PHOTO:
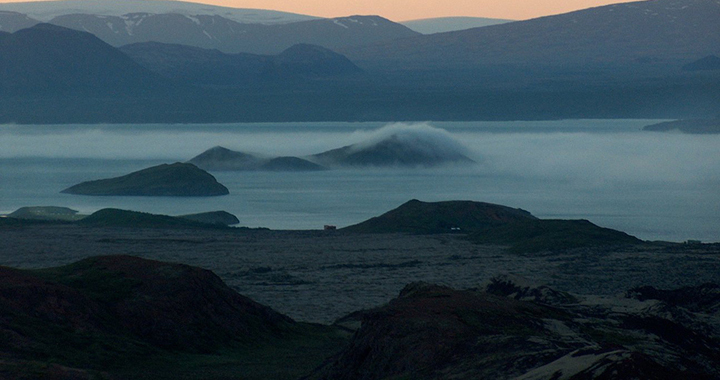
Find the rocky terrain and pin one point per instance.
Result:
(511, 331)
(466, 309)
(178, 179)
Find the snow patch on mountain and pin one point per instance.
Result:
(47, 10)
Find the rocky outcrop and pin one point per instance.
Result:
(178, 179)
(435, 332)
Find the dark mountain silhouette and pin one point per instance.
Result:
(178, 179)
(662, 32)
(217, 32)
(214, 68)
(48, 60)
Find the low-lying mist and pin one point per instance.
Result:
(592, 159)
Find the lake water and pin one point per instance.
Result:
(656, 186)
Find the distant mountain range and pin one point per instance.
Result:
(630, 60)
(47, 10)
(225, 29)
(205, 67)
(450, 24)
(658, 31)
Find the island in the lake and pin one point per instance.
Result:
(692, 126)
(178, 179)
(390, 147)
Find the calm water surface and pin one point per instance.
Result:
(657, 186)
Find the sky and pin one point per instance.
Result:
(404, 10)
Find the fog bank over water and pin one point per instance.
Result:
(653, 185)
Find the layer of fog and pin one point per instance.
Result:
(616, 157)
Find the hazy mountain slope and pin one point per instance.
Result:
(450, 24)
(12, 21)
(47, 10)
(197, 65)
(50, 60)
(659, 31)
(207, 67)
(216, 32)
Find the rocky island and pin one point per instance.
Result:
(222, 159)
(398, 147)
(692, 126)
(178, 179)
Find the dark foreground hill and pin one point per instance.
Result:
(178, 179)
(132, 316)
(509, 331)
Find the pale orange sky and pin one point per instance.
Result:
(403, 10)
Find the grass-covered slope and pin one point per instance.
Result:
(440, 217)
(178, 179)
